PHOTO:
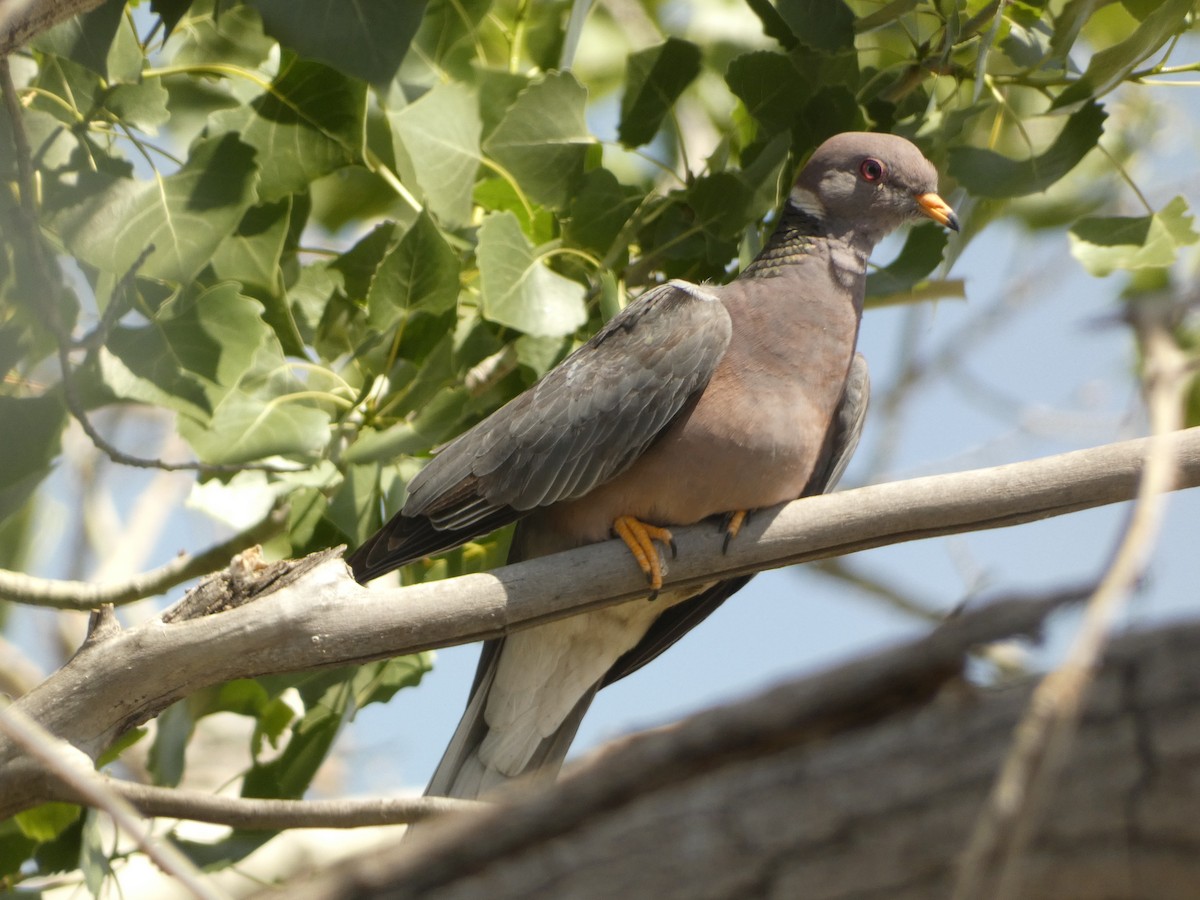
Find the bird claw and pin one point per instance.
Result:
(639, 537)
(731, 524)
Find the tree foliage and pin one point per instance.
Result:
(321, 239)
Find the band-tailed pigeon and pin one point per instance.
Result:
(694, 401)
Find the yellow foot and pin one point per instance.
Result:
(732, 524)
(639, 537)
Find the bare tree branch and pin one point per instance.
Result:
(81, 595)
(74, 772)
(256, 620)
(276, 815)
(22, 20)
(888, 594)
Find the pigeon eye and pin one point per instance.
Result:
(871, 169)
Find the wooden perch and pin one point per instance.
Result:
(256, 619)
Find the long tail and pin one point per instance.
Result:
(462, 773)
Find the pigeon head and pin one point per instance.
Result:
(861, 186)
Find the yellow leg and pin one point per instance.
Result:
(639, 537)
(733, 524)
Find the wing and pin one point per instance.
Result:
(840, 443)
(582, 424)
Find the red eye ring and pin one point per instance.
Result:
(871, 169)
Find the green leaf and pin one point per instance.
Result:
(769, 86)
(172, 731)
(366, 40)
(64, 853)
(184, 216)
(192, 356)
(353, 196)
(67, 91)
(539, 354)
(1068, 24)
(724, 203)
(1109, 68)
(1189, 341)
(154, 380)
(773, 24)
(517, 289)
(251, 698)
(120, 745)
(654, 79)
(46, 822)
(824, 25)
(171, 11)
(15, 848)
(543, 139)
(598, 212)
(498, 90)
(310, 295)
(251, 424)
(1106, 244)
(354, 509)
(885, 15)
(721, 204)
(85, 39)
(358, 264)
(920, 255)
(439, 137)
(379, 682)
(499, 195)
(448, 38)
(126, 59)
(251, 254)
(309, 123)
(986, 173)
(45, 132)
(1140, 9)
(329, 701)
(33, 430)
(142, 104)
(93, 858)
(419, 275)
(233, 38)
(830, 111)
(762, 176)
(437, 421)
(192, 100)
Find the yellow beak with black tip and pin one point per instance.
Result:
(937, 209)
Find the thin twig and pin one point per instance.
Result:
(991, 866)
(75, 771)
(277, 815)
(949, 358)
(885, 591)
(81, 595)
